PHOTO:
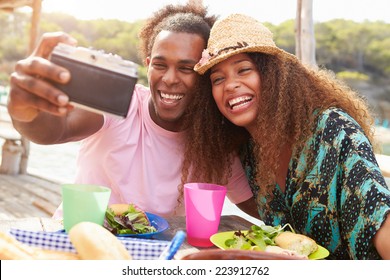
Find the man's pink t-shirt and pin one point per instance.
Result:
(141, 162)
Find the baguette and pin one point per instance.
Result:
(41, 254)
(12, 249)
(94, 242)
(299, 243)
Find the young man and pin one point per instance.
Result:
(139, 157)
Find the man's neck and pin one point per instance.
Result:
(174, 126)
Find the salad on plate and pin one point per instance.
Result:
(127, 219)
(275, 239)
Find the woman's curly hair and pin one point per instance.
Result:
(291, 93)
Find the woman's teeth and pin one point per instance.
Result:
(239, 101)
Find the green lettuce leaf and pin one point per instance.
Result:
(257, 238)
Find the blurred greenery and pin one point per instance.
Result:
(358, 50)
(112, 36)
(352, 75)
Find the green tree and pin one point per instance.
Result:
(378, 56)
(284, 35)
(340, 44)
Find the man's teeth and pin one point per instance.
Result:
(171, 96)
(239, 101)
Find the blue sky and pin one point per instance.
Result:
(274, 11)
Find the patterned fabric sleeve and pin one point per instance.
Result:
(365, 197)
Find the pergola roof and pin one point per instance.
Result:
(10, 5)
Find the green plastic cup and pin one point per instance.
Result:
(84, 203)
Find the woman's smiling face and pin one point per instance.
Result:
(236, 87)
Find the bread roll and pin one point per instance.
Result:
(119, 209)
(299, 243)
(279, 250)
(94, 242)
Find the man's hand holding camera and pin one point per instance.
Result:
(32, 91)
(101, 82)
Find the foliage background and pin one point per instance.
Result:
(358, 51)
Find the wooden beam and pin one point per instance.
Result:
(35, 18)
(13, 4)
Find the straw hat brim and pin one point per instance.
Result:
(201, 68)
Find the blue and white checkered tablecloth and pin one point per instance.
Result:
(139, 249)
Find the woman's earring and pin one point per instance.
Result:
(223, 120)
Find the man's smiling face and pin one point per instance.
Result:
(172, 79)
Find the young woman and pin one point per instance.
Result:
(304, 137)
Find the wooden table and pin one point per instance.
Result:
(228, 223)
(32, 224)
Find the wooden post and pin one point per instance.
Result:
(36, 6)
(298, 29)
(11, 157)
(35, 18)
(305, 39)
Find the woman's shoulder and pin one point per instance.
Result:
(334, 113)
(336, 125)
(336, 118)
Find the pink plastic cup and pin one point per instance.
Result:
(203, 205)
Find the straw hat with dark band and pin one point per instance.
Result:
(236, 34)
